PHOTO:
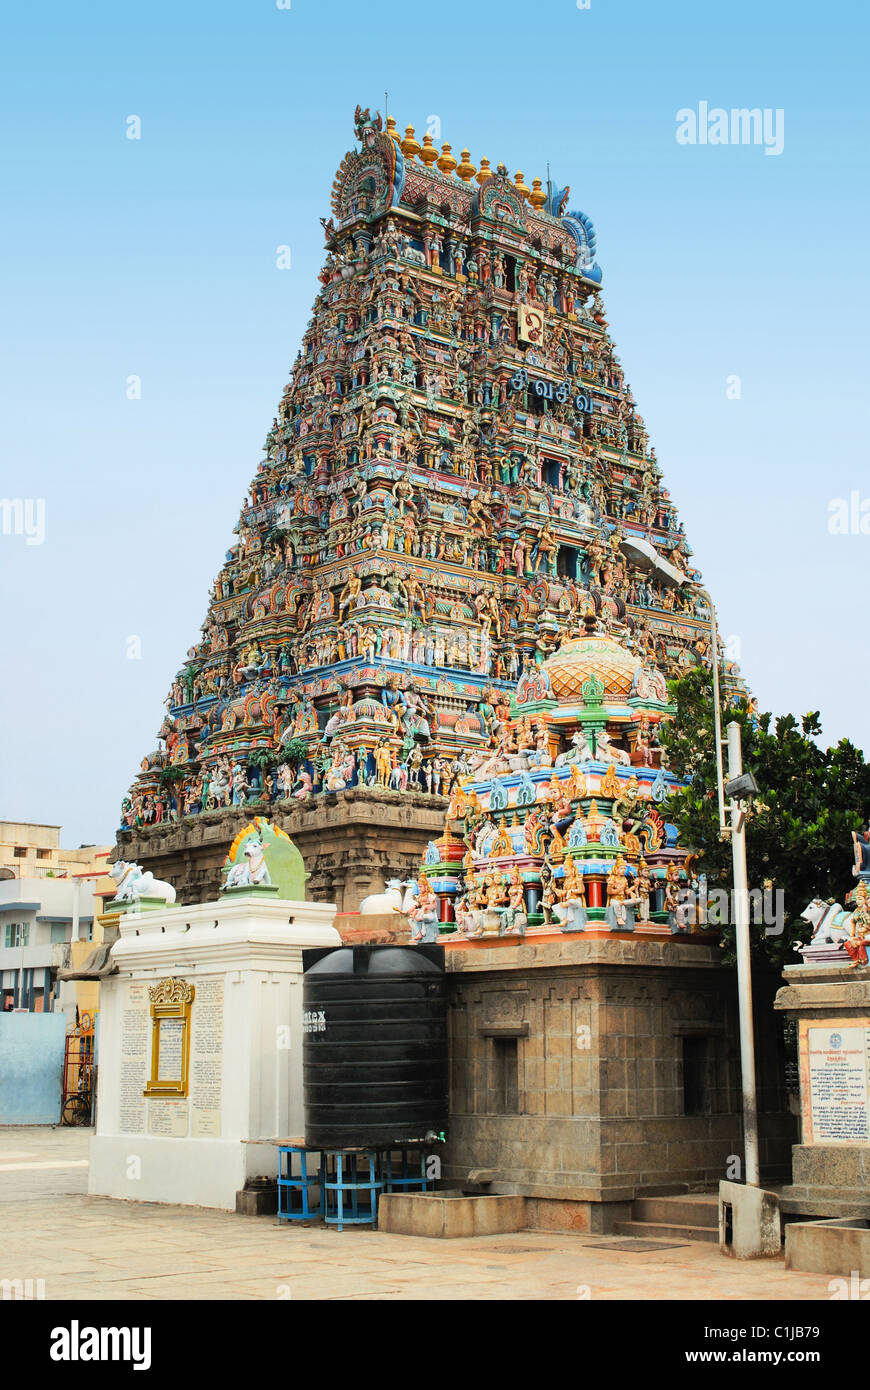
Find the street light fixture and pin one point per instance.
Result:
(741, 787)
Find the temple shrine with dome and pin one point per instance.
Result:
(593, 1029)
(561, 821)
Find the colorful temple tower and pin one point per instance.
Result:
(456, 475)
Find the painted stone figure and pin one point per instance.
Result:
(424, 915)
(571, 910)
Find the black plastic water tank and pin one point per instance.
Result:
(374, 1047)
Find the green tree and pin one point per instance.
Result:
(264, 760)
(171, 780)
(798, 830)
(294, 751)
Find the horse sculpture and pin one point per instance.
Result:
(132, 883)
(398, 777)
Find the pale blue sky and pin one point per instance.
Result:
(157, 258)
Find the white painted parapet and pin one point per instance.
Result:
(243, 957)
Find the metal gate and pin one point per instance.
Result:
(79, 1074)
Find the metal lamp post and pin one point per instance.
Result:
(744, 964)
(734, 829)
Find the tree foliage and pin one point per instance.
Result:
(294, 751)
(798, 830)
(169, 777)
(263, 759)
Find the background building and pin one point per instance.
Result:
(50, 900)
(35, 851)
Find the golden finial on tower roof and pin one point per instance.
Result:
(521, 187)
(428, 154)
(446, 161)
(410, 146)
(465, 169)
(391, 130)
(537, 197)
(484, 172)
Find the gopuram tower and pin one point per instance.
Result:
(457, 475)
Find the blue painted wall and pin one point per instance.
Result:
(31, 1068)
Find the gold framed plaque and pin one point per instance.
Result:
(171, 1002)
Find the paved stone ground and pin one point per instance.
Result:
(92, 1248)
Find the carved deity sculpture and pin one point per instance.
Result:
(855, 945)
(643, 889)
(424, 915)
(619, 895)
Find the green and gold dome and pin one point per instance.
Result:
(591, 654)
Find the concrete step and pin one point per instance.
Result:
(653, 1230)
(684, 1210)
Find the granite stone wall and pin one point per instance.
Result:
(594, 1070)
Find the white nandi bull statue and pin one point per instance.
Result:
(391, 900)
(832, 925)
(132, 883)
(411, 253)
(579, 752)
(252, 868)
(606, 751)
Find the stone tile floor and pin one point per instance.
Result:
(95, 1248)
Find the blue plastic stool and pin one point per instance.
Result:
(352, 1183)
(295, 1189)
(400, 1173)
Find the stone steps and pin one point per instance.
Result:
(683, 1209)
(652, 1230)
(683, 1217)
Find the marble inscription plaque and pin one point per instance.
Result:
(135, 1030)
(169, 1054)
(167, 1118)
(838, 1083)
(206, 1059)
